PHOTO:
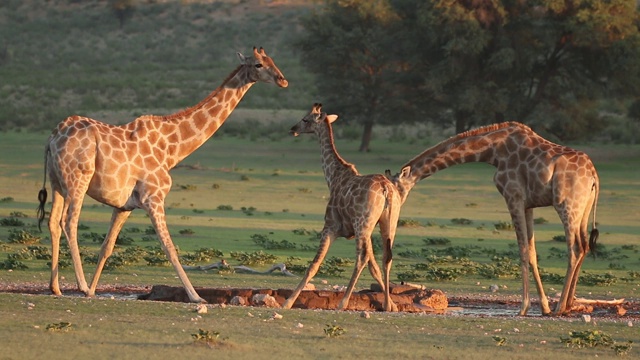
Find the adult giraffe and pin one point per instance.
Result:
(127, 167)
(531, 172)
(357, 203)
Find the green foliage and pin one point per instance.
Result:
(409, 223)
(334, 331)
(590, 279)
(11, 221)
(13, 264)
(254, 258)
(186, 232)
(62, 326)
(225, 207)
(21, 236)
(461, 221)
(500, 340)
(436, 241)
(206, 337)
(503, 225)
(32, 252)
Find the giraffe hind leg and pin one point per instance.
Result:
(363, 257)
(73, 206)
(55, 219)
(118, 219)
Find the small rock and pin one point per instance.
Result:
(264, 300)
(630, 323)
(276, 316)
(309, 286)
(238, 301)
(493, 288)
(201, 309)
(586, 318)
(299, 326)
(365, 314)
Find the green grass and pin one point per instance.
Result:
(276, 171)
(61, 58)
(103, 328)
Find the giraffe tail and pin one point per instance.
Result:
(42, 194)
(593, 237)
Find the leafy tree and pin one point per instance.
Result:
(489, 60)
(471, 62)
(346, 44)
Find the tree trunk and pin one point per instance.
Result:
(366, 136)
(461, 121)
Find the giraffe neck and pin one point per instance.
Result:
(190, 128)
(334, 166)
(488, 144)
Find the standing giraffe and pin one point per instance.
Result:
(127, 167)
(356, 204)
(531, 172)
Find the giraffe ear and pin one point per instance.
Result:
(332, 118)
(405, 172)
(242, 58)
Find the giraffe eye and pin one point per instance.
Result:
(258, 66)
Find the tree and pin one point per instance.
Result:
(465, 63)
(493, 60)
(346, 44)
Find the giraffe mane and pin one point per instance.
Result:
(335, 150)
(204, 101)
(472, 132)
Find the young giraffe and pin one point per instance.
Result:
(531, 172)
(356, 204)
(127, 167)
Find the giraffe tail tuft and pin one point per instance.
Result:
(42, 198)
(592, 241)
(42, 194)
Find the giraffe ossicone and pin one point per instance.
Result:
(531, 172)
(127, 167)
(357, 203)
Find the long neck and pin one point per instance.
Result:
(485, 144)
(335, 167)
(195, 125)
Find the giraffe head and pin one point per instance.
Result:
(312, 121)
(403, 181)
(262, 68)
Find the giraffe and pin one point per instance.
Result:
(127, 167)
(531, 172)
(356, 204)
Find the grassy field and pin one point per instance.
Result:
(234, 190)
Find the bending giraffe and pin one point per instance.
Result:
(127, 167)
(531, 172)
(356, 204)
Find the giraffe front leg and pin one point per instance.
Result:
(118, 219)
(533, 262)
(156, 212)
(326, 240)
(518, 218)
